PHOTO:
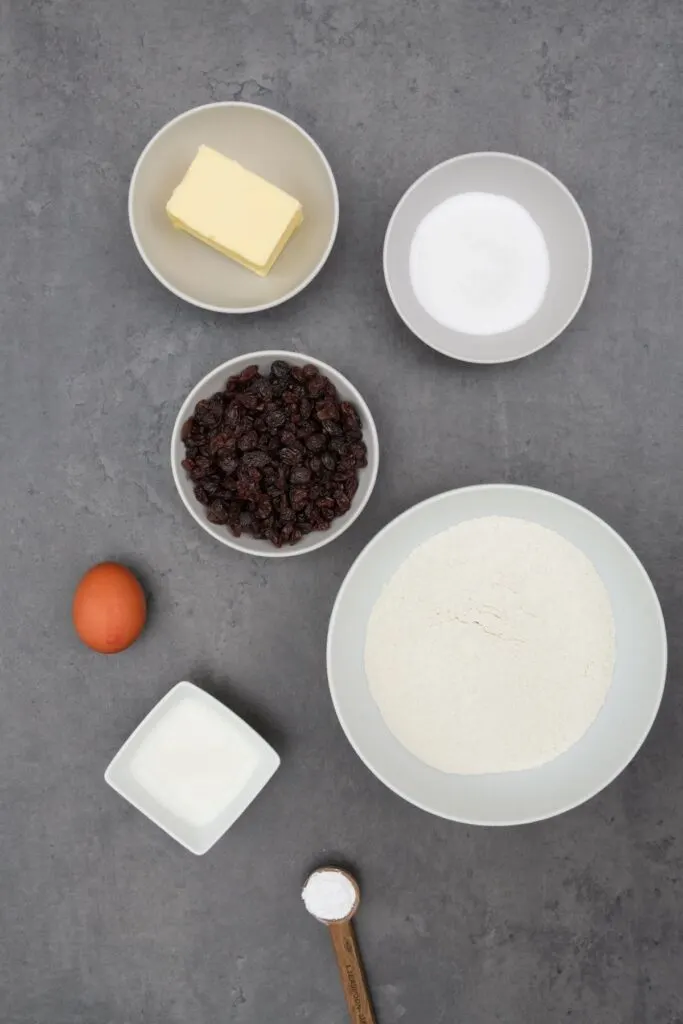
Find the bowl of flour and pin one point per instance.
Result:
(497, 655)
(487, 257)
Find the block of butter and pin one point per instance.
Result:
(234, 211)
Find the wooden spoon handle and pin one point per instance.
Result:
(352, 973)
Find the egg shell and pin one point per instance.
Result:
(109, 608)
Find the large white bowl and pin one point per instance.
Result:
(215, 381)
(610, 743)
(555, 211)
(265, 142)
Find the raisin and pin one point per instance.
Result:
(228, 465)
(212, 485)
(342, 502)
(290, 456)
(221, 443)
(233, 416)
(275, 419)
(247, 441)
(217, 513)
(264, 507)
(256, 459)
(250, 402)
(280, 369)
(316, 442)
(200, 468)
(299, 498)
(248, 373)
(326, 410)
(349, 414)
(300, 475)
(306, 430)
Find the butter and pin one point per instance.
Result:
(234, 211)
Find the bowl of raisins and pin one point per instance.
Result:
(274, 453)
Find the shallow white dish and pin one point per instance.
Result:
(555, 211)
(613, 739)
(215, 381)
(196, 839)
(265, 142)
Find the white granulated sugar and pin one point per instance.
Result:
(479, 264)
(194, 762)
(492, 647)
(329, 895)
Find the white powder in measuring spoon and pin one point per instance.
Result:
(479, 264)
(329, 895)
(492, 647)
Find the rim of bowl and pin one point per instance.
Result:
(531, 819)
(369, 435)
(504, 156)
(237, 310)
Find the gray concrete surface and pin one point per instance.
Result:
(103, 920)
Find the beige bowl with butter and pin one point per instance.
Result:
(271, 146)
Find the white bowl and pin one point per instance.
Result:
(197, 839)
(555, 211)
(215, 381)
(265, 142)
(573, 777)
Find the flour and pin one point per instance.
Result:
(492, 647)
(479, 264)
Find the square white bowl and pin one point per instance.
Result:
(197, 839)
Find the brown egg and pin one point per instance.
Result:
(109, 609)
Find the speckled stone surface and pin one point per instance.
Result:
(103, 920)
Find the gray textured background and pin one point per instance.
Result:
(103, 920)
